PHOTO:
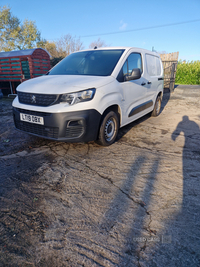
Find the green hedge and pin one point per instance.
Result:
(188, 72)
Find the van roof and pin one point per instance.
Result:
(127, 48)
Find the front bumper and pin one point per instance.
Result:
(78, 126)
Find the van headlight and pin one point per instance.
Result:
(82, 96)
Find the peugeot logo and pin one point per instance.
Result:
(33, 99)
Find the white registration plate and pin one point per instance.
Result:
(32, 118)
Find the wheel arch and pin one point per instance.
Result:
(109, 126)
(114, 108)
(160, 94)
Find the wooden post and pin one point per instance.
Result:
(14, 88)
(11, 88)
(172, 78)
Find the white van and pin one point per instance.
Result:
(90, 94)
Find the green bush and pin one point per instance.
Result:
(188, 72)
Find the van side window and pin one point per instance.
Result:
(153, 65)
(133, 61)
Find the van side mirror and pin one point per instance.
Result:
(135, 74)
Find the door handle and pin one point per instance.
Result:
(149, 82)
(143, 84)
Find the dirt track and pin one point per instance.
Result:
(135, 203)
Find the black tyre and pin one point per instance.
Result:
(157, 107)
(108, 129)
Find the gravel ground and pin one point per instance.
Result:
(135, 203)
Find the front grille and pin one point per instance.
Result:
(31, 112)
(41, 130)
(36, 99)
(74, 129)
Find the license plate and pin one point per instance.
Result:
(32, 118)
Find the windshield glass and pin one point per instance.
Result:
(96, 63)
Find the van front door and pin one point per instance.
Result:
(134, 91)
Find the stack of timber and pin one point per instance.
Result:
(170, 65)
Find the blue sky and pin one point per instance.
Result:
(95, 18)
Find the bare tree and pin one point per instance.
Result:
(68, 44)
(98, 43)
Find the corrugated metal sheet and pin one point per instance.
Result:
(26, 52)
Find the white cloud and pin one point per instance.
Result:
(123, 25)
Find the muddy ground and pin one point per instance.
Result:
(135, 203)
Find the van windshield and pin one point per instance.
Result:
(96, 63)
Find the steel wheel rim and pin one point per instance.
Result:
(110, 129)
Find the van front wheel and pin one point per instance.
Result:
(108, 129)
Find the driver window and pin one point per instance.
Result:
(125, 68)
(134, 61)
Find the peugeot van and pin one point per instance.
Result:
(90, 94)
